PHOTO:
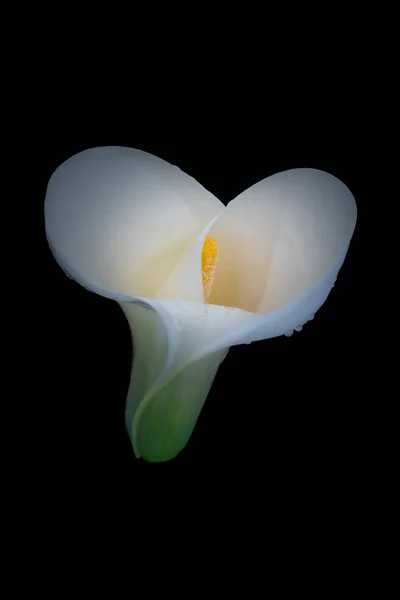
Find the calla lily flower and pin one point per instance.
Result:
(192, 276)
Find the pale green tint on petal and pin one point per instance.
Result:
(169, 383)
(165, 420)
(151, 345)
(173, 369)
(119, 219)
(280, 237)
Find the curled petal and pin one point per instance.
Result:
(280, 237)
(119, 220)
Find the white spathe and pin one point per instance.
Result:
(131, 227)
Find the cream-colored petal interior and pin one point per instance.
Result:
(121, 219)
(185, 282)
(280, 237)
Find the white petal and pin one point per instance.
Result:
(280, 237)
(119, 220)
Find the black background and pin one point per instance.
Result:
(288, 407)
